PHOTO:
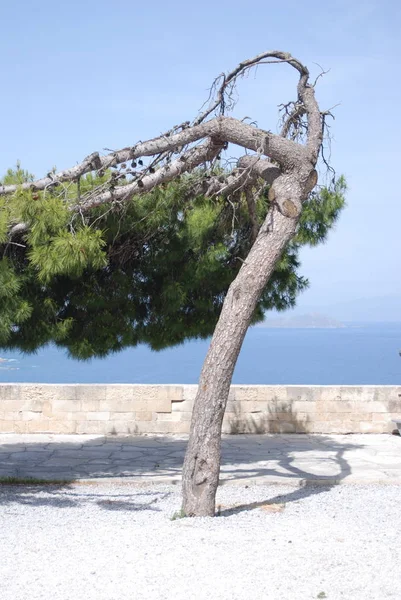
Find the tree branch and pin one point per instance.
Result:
(187, 162)
(225, 129)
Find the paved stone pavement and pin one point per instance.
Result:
(282, 458)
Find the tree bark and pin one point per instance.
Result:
(201, 468)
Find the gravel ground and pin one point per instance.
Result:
(118, 542)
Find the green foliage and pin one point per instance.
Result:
(17, 176)
(14, 308)
(68, 253)
(154, 271)
(319, 213)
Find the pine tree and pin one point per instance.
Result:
(161, 241)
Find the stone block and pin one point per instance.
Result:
(371, 427)
(245, 393)
(145, 427)
(64, 427)
(279, 405)
(184, 406)
(9, 392)
(10, 406)
(47, 408)
(12, 415)
(69, 416)
(333, 426)
(90, 396)
(233, 424)
(122, 416)
(6, 426)
(59, 406)
(335, 406)
(160, 405)
(95, 427)
(117, 394)
(335, 416)
(46, 426)
(252, 406)
(387, 393)
(122, 427)
(228, 427)
(140, 406)
(121, 406)
(33, 395)
(322, 427)
(90, 405)
(145, 415)
(360, 416)
(257, 423)
(280, 416)
(29, 415)
(98, 416)
(379, 417)
(329, 393)
(303, 406)
(189, 392)
(20, 426)
(186, 416)
(163, 405)
(305, 394)
(172, 417)
(37, 405)
(273, 393)
(174, 393)
(146, 392)
(394, 405)
(233, 406)
(280, 427)
(355, 393)
(371, 407)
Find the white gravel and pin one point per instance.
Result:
(118, 542)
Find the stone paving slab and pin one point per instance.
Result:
(285, 458)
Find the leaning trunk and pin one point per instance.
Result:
(202, 460)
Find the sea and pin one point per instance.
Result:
(358, 354)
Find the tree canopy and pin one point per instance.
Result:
(153, 270)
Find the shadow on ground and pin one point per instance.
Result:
(158, 459)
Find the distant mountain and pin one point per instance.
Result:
(376, 309)
(308, 321)
(380, 309)
(373, 310)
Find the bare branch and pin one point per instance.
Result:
(192, 159)
(230, 78)
(225, 129)
(287, 156)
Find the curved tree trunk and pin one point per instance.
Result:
(202, 460)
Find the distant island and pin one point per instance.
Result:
(308, 321)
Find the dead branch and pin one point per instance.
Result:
(201, 143)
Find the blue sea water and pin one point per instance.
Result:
(357, 354)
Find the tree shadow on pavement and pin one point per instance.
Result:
(158, 459)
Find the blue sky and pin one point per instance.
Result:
(81, 76)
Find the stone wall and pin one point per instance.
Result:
(115, 409)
